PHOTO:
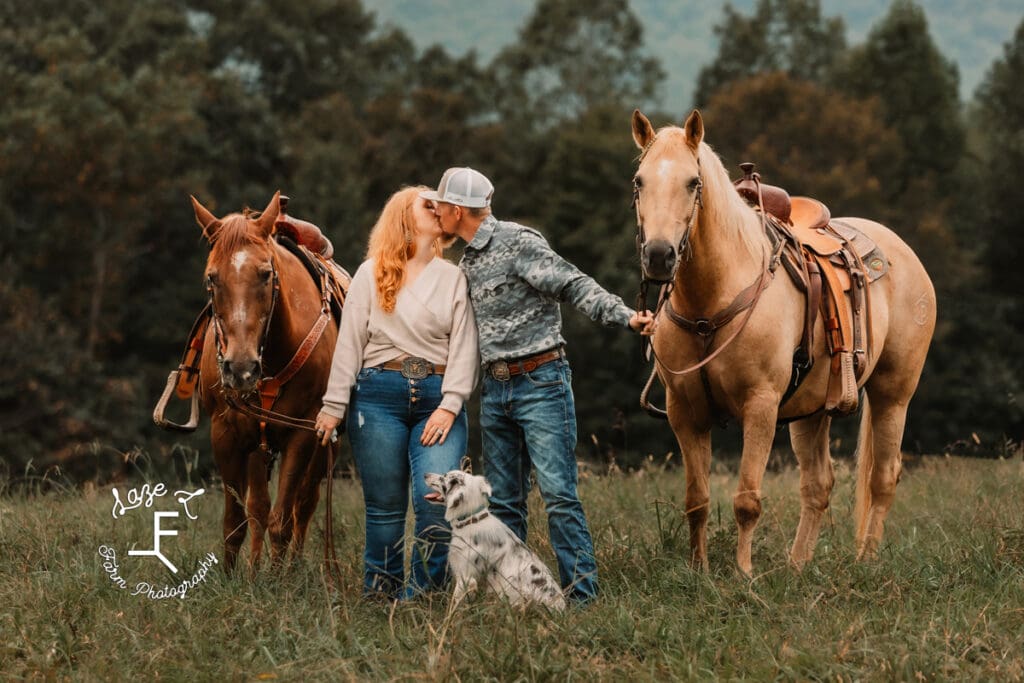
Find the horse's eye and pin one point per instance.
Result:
(265, 274)
(693, 184)
(637, 182)
(211, 280)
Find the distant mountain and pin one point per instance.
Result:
(679, 32)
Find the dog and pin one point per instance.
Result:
(483, 549)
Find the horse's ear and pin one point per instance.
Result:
(643, 131)
(269, 216)
(207, 221)
(694, 128)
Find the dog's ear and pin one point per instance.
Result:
(486, 488)
(466, 464)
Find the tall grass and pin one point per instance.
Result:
(945, 599)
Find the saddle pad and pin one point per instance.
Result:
(875, 263)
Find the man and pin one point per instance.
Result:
(527, 411)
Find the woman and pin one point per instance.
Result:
(405, 363)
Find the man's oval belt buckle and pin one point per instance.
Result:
(415, 368)
(499, 371)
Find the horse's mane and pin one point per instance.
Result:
(234, 233)
(724, 207)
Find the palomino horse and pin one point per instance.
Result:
(697, 232)
(265, 307)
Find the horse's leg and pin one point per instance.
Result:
(293, 467)
(695, 446)
(878, 465)
(759, 416)
(257, 504)
(232, 473)
(309, 496)
(810, 443)
(697, 455)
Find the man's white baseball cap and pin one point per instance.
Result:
(463, 186)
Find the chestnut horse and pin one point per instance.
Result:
(698, 233)
(265, 304)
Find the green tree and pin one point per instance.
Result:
(571, 57)
(918, 87)
(996, 308)
(805, 138)
(1000, 113)
(99, 123)
(291, 52)
(781, 35)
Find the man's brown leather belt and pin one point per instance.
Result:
(503, 370)
(414, 368)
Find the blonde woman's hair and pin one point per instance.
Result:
(391, 244)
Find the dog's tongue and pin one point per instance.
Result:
(434, 497)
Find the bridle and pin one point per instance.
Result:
(681, 248)
(218, 332)
(704, 328)
(269, 388)
(684, 240)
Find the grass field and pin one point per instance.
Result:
(944, 601)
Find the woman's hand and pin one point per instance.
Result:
(435, 431)
(325, 426)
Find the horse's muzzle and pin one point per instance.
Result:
(241, 375)
(658, 258)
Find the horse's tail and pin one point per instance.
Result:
(865, 464)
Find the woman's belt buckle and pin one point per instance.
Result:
(499, 371)
(416, 368)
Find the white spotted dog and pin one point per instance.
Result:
(484, 549)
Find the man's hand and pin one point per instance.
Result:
(643, 322)
(325, 426)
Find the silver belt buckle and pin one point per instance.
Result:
(415, 368)
(499, 371)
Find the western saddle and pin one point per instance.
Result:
(833, 264)
(309, 244)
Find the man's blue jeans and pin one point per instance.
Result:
(531, 419)
(385, 418)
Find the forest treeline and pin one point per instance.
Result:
(115, 111)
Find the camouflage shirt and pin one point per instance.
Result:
(516, 282)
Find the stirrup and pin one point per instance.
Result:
(161, 406)
(842, 398)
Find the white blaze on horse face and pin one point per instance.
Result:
(666, 168)
(238, 260)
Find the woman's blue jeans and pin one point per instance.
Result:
(531, 419)
(385, 418)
